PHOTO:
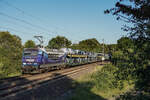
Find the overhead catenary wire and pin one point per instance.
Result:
(20, 10)
(8, 28)
(25, 27)
(12, 29)
(27, 22)
(18, 31)
(7, 3)
(24, 21)
(28, 14)
(20, 25)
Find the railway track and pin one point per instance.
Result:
(16, 86)
(12, 79)
(19, 80)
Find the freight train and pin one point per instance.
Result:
(41, 60)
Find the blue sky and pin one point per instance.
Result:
(75, 19)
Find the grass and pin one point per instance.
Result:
(15, 74)
(86, 88)
(10, 75)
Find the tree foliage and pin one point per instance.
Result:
(111, 48)
(91, 45)
(29, 44)
(59, 42)
(104, 79)
(135, 12)
(123, 57)
(10, 54)
(132, 57)
(124, 43)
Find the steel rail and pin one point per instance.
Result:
(5, 84)
(12, 91)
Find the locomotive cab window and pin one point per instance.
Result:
(31, 53)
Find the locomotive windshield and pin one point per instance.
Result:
(30, 52)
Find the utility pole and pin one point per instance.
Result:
(103, 48)
(40, 38)
(103, 58)
(64, 42)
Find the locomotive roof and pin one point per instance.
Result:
(34, 49)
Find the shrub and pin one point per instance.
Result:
(105, 78)
(1, 71)
(10, 54)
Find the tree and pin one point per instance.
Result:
(124, 43)
(75, 46)
(30, 44)
(10, 54)
(91, 45)
(59, 42)
(111, 48)
(137, 13)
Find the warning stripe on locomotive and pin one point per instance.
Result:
(81, 56)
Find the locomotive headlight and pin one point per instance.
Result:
(24, 63)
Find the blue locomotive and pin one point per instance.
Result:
(41, 60)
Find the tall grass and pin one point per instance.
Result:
(100, 85)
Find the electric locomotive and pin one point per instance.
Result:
(37, 59)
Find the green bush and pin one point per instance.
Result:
(10, 54)
(105, 78)
(1, 71)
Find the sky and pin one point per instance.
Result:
(75, 19)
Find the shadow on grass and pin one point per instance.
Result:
(83, 92)
(54, 90)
